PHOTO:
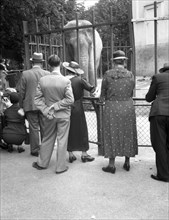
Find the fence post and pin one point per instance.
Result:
(94, 48)
(63, 43)
(26, 44)
(155, 36)
(37, 38)
(132, 43)
(77, 31)
(112, 40)
(100, 129)
(50, 43)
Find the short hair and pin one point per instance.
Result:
(119, 61)
(14, 97)
(54, 60)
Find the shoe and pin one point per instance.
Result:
(72, 158)
(159, 179)
(59, 172)
(35, 154)
(109, 169)
(87, 158)
(126, 166)
(35, 165)
(20, 150)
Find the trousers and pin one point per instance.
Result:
(36, 125)
(55, 129)
(159, 134)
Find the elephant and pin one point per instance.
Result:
(86, 48)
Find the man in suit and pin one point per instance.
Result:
(54, 98)
(27, 90)
(159, 121)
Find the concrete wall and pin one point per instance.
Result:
(145, 58)
(144, 35)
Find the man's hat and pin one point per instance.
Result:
(37, 57)
(119, 55)
(165, 67)
(73, 67)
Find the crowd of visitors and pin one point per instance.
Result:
(52, 105)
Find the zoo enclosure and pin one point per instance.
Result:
(53, 42)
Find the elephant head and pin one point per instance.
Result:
(86, 48)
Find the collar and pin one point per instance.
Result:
(56, 72)
(36, 66)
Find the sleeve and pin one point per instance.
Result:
(87, 86)
(39, 101)
(151, 94)
(67, 101)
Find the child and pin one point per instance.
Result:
(14, 131)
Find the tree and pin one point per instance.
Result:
(14, 12)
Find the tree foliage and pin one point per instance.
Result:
(13, 12)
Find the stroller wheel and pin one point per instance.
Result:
(10, 148)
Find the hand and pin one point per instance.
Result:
(50, 114)
(7, 102)
(21, 112)
(96, 93)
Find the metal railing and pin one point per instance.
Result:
(94, 116)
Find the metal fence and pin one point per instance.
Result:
(94, 116)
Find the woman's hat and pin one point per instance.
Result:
(119, 55)
(73, 67)
(37, 57)
(165, 67)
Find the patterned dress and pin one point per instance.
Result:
(120, 135)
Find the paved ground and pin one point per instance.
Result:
(84, 191)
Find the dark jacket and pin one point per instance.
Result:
(158, 94)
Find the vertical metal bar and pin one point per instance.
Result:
(77, 31)
(37, 38)
(107, 55)
(64, 46)
(111, 40)
(50, 44)
(132, 43)
(26, 44)
(94, 48)
(155, 37)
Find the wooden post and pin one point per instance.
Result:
(155, 37)
(26, 44)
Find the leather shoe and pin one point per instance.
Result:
(35, 154)
(87, 158)
(59, 172)
(109, 169)
(72, 158)
(159, 179)
(35, 165)
(20, 150)
(126, 166)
